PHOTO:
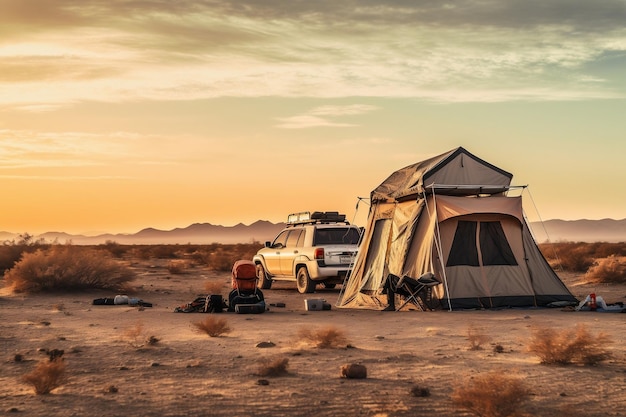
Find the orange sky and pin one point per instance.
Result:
(116, 116)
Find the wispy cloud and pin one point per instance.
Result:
(23, 149)
(70, 50)
(323, 116)
(66, 178)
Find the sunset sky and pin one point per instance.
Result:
(116, 115)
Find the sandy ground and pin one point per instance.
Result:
(187, 373)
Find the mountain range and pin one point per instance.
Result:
(605, 230)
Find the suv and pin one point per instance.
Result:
(317, 248)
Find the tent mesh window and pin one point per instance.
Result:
(494, 247)
(464, 251)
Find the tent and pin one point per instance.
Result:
(451, 215)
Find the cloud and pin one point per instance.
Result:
(29, 149)
(320, 116)
(70, 50)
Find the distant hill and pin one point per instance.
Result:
(197, 233)
(606, 230)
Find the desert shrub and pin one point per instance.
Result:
(579, 256)
(212, 326)
(604, 249)
(222, 257)
(607, 270)
(577, 259)
(177, 267)
(495, 394)
(46, 376)
(476, 337)
(566, 346)
(114, 248)
(273, 367)
(213, 287)
(164, 251)
(136, 337)
(11, 251)
(68, 268)
(323, 337)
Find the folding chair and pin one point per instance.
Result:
(414, 290)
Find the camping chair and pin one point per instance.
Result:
(417, 291)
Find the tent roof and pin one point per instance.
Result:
(456, 172)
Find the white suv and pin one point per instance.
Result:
(317, 248)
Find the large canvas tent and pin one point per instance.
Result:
(450, 215)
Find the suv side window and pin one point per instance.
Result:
(294, 238)
(281, 240)
(336, 236)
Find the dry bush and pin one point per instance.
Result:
(275, 367)
(12, 251)
(213, 326)
(323, 337)
(46, 376)
(607, 270)
(495, 394)
(134, 334)
(177, 267)
(476, 337)
(222, 257)
(68, 268)
(579, 256)
(566, 346)
(213, 287)
(114, 248)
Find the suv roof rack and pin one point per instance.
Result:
(304, 217)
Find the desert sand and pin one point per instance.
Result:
(185, 373)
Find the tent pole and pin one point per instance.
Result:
(438, 246)
(543, 225)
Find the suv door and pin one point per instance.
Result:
(272, 254)
(291, 252)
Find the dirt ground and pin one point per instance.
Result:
(110, 372)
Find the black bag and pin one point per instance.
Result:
(240, 297)
(214, 304)
(103, 301)
(257, 308)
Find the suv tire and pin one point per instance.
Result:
(304, 282)
(264, 282)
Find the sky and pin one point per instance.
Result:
(117, 115)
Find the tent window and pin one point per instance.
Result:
(464, 251)
(494, 246)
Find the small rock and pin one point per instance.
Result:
(379, 337)
(418, 391)
(112, 389)
(267, 344)
(263, 382)
(353, 371)
(13, 410)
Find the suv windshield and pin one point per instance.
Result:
(336, 236)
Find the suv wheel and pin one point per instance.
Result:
(264, 282)
(305, 283)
